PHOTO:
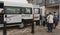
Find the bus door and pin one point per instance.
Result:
(37, 15)
(13, 15)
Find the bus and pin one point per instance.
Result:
(17, 14)
(1, 13)
(36, 10)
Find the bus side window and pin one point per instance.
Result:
(12, 10)
(23, 10)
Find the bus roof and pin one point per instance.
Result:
(36, 6)
(17, 4)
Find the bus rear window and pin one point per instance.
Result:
(12, 10)
(36, 11)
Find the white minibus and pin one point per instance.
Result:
(17, 14)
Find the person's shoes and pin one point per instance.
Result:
(48, 31)
(54, 27)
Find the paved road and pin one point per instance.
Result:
(39, 30)
(1, 32)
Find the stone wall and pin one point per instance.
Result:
(52, 10)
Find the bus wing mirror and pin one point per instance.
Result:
(5, 15)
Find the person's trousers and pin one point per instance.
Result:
(43, 23)
(50, 27)
(55, 23)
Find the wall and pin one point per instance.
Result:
(52, 10)
(43, 10)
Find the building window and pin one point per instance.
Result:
(51, 1)
(39, 1)
(32, 0)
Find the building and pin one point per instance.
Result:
(32, 1)
(48, 5)
(36, 2)
(53, 6)
(39, 2)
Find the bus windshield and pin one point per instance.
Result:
(26, 10)
(10, 10)
(36, 11)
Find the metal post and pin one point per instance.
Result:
(32, 30)
(4, 29)
(45, 3)
(59, 13)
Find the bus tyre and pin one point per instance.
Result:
(21, 25)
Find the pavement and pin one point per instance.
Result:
(1, 32)
(38, 30)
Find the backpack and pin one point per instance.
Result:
(54, 18)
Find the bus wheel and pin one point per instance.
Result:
(21, 25)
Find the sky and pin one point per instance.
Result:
(22, 1)
(1, 0)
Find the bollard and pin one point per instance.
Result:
(32, 30)
(4, 29)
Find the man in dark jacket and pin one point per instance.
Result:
(55, 20)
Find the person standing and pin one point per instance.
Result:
(55, 20)
(50, 22)
(40, 19)
(43, 20)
